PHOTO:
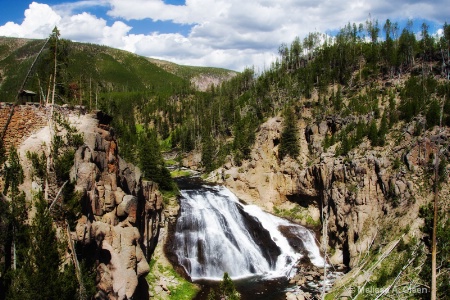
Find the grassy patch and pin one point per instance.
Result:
(166, 145)
(186, 290)
(170, 162)
(297, 213)
(180, 173)
(332, 296)
(139, 128)
(181, 290)
(170, 196)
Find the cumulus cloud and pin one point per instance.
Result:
(84, 26)
(253, 29)
(225, 33)
(40, 19)
(35, 25)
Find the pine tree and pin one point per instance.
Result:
(345, 146)
(244, 136)
(39, 276)
(337, 99)
(373, 133)
(393, 115)
(208, 153)
(13, 174)
(227, 290)
(383, 130)
(433, 114)
(14, 216)
(3, 236)
(289, 137)
(151, 161)
(326, 142)
(443, 240)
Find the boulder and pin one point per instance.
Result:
(291, 296)
(323, 127)
(128, 207)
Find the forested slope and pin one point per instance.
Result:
(350, 136)
(352, 122)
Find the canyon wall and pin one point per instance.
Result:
(362, 196)
(121, 213)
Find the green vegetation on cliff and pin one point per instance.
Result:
(373, 85)
(344, 76)
(31, 267)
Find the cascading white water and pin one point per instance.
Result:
(216, 234)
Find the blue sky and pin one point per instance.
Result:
(233, 34)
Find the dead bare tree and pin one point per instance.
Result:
(435, 211)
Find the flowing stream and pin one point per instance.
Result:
(215, 233)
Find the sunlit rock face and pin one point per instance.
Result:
(121, 214)
(358, 194)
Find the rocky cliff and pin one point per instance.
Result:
(121, 213)
(373, 192)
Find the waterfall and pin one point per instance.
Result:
(216, 234)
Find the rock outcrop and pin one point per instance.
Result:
(361, 195)
(25, 120)
(122, 214)
(203, 82)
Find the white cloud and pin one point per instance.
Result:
(82, 27)
(68, 8)
(195, 11)
(39, 21)
(226, 33)
(116, 35)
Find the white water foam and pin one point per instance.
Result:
(211, 238)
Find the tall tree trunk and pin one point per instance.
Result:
(435, 213)
(325, 246)
(50, 122)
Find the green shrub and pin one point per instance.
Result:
(226, 290)
(62, 164)
(396, 163)
(289, 137)
(38, 163)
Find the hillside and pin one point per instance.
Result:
(349, 136)
(201, 77)
(343, 137)
(86, 70)
(135, 90)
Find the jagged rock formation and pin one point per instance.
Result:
(203, 82)
(361, 195)
(122, 214)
